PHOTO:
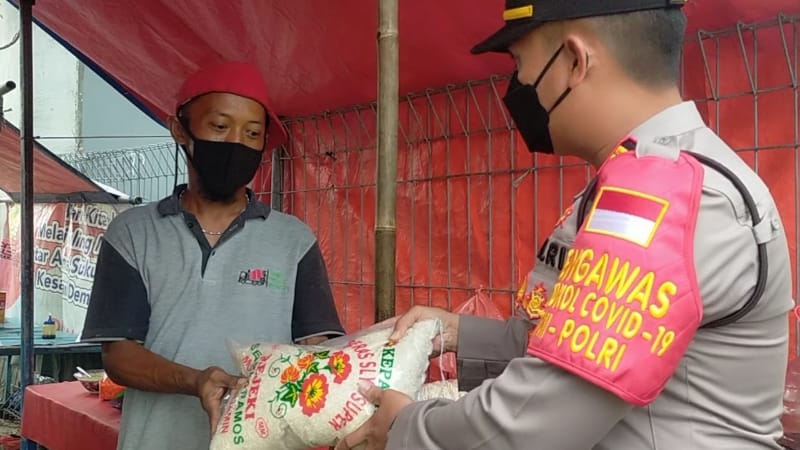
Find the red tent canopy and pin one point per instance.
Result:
(320, 56)
(317, 55)
(54, 180)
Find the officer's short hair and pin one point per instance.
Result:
(647, 44)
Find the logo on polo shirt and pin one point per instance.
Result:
(263, 277)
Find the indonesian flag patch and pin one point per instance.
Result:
(626, 214)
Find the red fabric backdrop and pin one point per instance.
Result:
(468, 212)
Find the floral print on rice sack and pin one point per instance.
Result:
(299, 397)
(305, 383)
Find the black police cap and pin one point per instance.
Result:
(522, 16)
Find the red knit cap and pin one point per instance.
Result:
(239, 78)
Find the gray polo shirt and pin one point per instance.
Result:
(159, 282)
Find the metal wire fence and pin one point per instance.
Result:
(471, 208)
(463, 183)
(147, 172)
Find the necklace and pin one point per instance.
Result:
(215, 233)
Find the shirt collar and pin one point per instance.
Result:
(171, 205)
(673, 121)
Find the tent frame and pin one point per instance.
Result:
(386, 192)
(26, 199)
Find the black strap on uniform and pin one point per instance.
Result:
(749, 203)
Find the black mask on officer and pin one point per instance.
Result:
(529, 115)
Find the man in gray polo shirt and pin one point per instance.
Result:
(177, 278)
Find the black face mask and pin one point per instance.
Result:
(528, 113)
(223, 167)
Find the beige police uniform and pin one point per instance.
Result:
(727, 391)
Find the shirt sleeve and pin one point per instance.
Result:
(531, 405)
(314, 312)
(726, 258)
(486, 346)
(118, 306)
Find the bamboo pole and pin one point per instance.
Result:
(386, 198)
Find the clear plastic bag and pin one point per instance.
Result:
(791, 406)
(298, 397)
(446, 389)
(444, 367)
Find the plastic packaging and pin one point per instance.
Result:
(110, 390)
(791, 406)
(478, 305)
(447, 389)
(299, 397)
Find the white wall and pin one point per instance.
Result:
(56, 84)
(106, 112)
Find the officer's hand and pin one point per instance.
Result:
(212, 384)
(374, 432)
(447, 341)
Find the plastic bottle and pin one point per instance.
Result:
(49, 328)
(2, 307)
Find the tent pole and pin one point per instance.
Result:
(26, 135)
(386, 198)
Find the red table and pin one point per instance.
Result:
(64, 416)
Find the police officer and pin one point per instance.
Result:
(665, 324)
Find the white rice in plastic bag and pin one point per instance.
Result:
(446, 389)
(300, 397)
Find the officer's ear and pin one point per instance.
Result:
(578, 51)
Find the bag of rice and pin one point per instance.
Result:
(446, 389)
(299, 397)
